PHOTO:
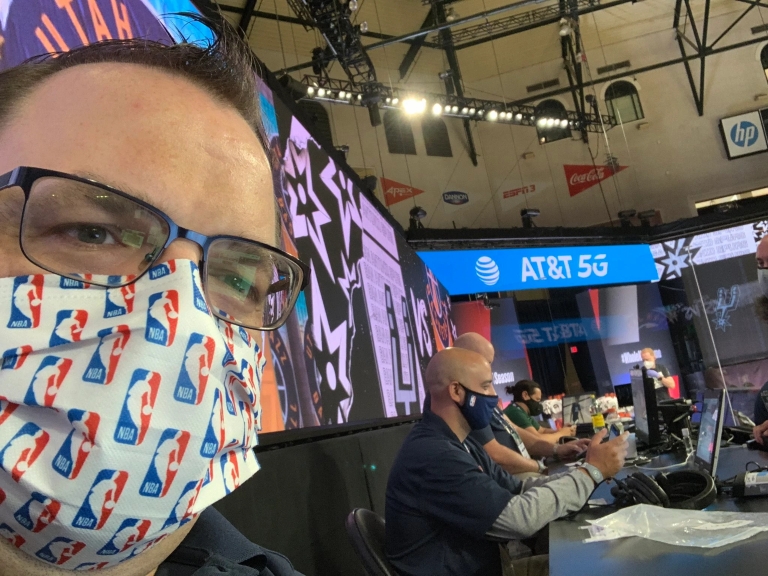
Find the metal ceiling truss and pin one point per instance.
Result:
(452, 105)
(570, 47)
(684, 14)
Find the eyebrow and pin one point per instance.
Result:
(139, 195)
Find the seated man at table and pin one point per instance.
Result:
(526, 405)
(448, 505)
(511, 447)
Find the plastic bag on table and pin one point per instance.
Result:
(679, 527)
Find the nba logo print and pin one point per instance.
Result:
(38, 512)
(190, 387)
(232, 381)
(69, 327)
(132, 530)
(70, 458)
(59, 550)
(71, 284)
(22, 450)
(182, 511)
(101, 500)
(197, 295)
(6, 409)
(47, 381)
(103, 365)
(10, 535)
(229, 350)
(138, 405)
(165, 463)
(26, 302)
(119, 301)
(230, 471)
(162, 318)
(162, 270)
(215, 436)
(14, 358)
(248, 428)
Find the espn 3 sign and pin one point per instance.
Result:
(744, 134)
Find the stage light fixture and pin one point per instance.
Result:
(565, 27)
(352, 5)
(342, 94)
(364, 27)
(645, 217)
(472, 111)
(563, 123)
(321, 92)
(395, 101)
(454, 109)
(542, 140)
(310, 91)
(359, 97)
(447, 109)
(465, 110)
(414, 106)
(527, 215)
(550, 122)
(388, 100)
(493, 116)
(541, 122)
(349, 95)
(518, 116)
(624, 217)
(437, 109)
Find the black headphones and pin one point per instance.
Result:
(685, 489)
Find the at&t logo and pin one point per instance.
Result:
(744, 134)
(487, 270)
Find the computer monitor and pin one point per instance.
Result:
(646, 408)
(710, 431)
(624, 395)
(576, 409)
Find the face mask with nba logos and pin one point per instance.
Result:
(123, 413)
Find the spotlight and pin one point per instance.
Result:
(359, 97)
(542, 140)
(447, 108)
(454, 109)
(414, 106)
(437, 109)
(342, 94)
(541, 122)
(465, 110)
(550, 122)
(364, 27)
(527, 215)
(395, 101)
(565, 27)
(416, 215)
(509, 115)
(321, 92)
(624, 217)
(352, 5)
(388, 100)
(563, 123)
(518, 116)
(471, 111)
(493, 115)
(445, 75)
(349, 95)
(311, 91)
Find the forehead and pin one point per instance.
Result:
(646, 354)
(151, 133)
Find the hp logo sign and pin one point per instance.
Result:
(744, 134)
(487, 270)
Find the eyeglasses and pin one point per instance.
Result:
(83, 230)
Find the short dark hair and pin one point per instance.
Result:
(517, 390)
(226, 68)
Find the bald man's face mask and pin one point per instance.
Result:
(477, 408)
(123, 413)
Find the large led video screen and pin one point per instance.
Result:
(372, 316)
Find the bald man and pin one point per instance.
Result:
(448, 505)
(510, 446)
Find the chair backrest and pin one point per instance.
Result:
(366, 530)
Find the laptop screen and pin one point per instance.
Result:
(576, 409)
(710, 431)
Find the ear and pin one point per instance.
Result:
(456, 392)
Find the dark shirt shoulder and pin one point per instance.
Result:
(214, 546)
(761, 405)
(443, 496)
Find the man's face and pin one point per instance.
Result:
(648, 357)
(535, 396)
(761, 255)
(480, 380)
(153, 135)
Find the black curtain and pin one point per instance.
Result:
(547, 362)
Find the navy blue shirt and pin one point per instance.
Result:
(443, 496)
(215, 548)
(761, 405)
(504, 434)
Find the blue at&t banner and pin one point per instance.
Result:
(478, 271)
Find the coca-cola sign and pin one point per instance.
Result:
(395, 192)
(582, 177)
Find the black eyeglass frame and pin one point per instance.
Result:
(24, 177)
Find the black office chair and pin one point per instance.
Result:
(366, 530)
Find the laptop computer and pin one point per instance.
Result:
(576, 409)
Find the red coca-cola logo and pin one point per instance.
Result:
(581, 178)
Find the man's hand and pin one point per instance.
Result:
(608, 457)
(760, 432)
(653, 374)
(571, 450)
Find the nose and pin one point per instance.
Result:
(183, 249)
